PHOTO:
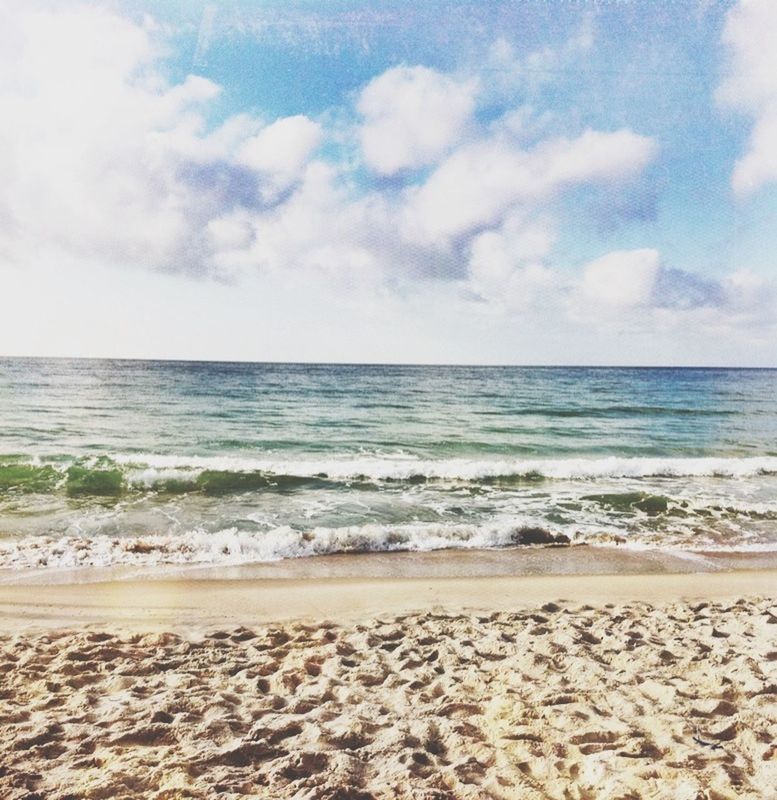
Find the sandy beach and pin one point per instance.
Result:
(622, 686)
(388, 400)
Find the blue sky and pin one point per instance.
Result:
(533, 182)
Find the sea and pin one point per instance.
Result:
(149, 463)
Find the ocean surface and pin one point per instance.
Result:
(148, 463)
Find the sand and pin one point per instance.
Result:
(649, 686)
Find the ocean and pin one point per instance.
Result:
(108, 462)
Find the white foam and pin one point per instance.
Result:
(232, 546)
(152, 468)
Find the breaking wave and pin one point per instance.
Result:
(232, 546)
(218, 475)
(150, 469)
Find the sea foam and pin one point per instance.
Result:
(148, 469)
(231, 546)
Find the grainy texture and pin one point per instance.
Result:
(676, 700)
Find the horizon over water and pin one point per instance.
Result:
(408, 364)
(122, 461)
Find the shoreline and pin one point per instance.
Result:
(353, 586)
(200, 604)
(444, 563)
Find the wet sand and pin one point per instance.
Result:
(500, 562)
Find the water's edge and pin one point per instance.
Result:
(508, 562)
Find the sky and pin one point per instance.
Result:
(529, 182)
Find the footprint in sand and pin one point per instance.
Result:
(154, 735)
(304, 765)
(596, 741)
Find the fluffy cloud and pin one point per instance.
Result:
(412, 116)
(107, 160)
(479, 183)
(115, 164)
(280, 150)
(506, 265)
(750, 86)
(323, 229)
(624, 278)
(319, 228)
(636, 290)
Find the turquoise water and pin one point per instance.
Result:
(105, 462)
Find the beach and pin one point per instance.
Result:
(388, 400)
(574, 686)
(372, 582)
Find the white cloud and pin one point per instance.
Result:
(506, 265)
(634, 290)
(481, 181)
(759, 165)
(624, 278)
(116, 164)
(524, 123)
(281, 150)
(317, 229)
(119, 166)
(412, 116)
(750, 86)
(105, 159)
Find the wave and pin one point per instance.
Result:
(218, 475)
(232, 546)
(408, 468)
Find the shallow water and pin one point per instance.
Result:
(130, 462)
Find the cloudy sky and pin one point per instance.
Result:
(457, 182)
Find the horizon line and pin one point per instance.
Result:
(417, 364)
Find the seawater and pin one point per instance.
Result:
(149, 462)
